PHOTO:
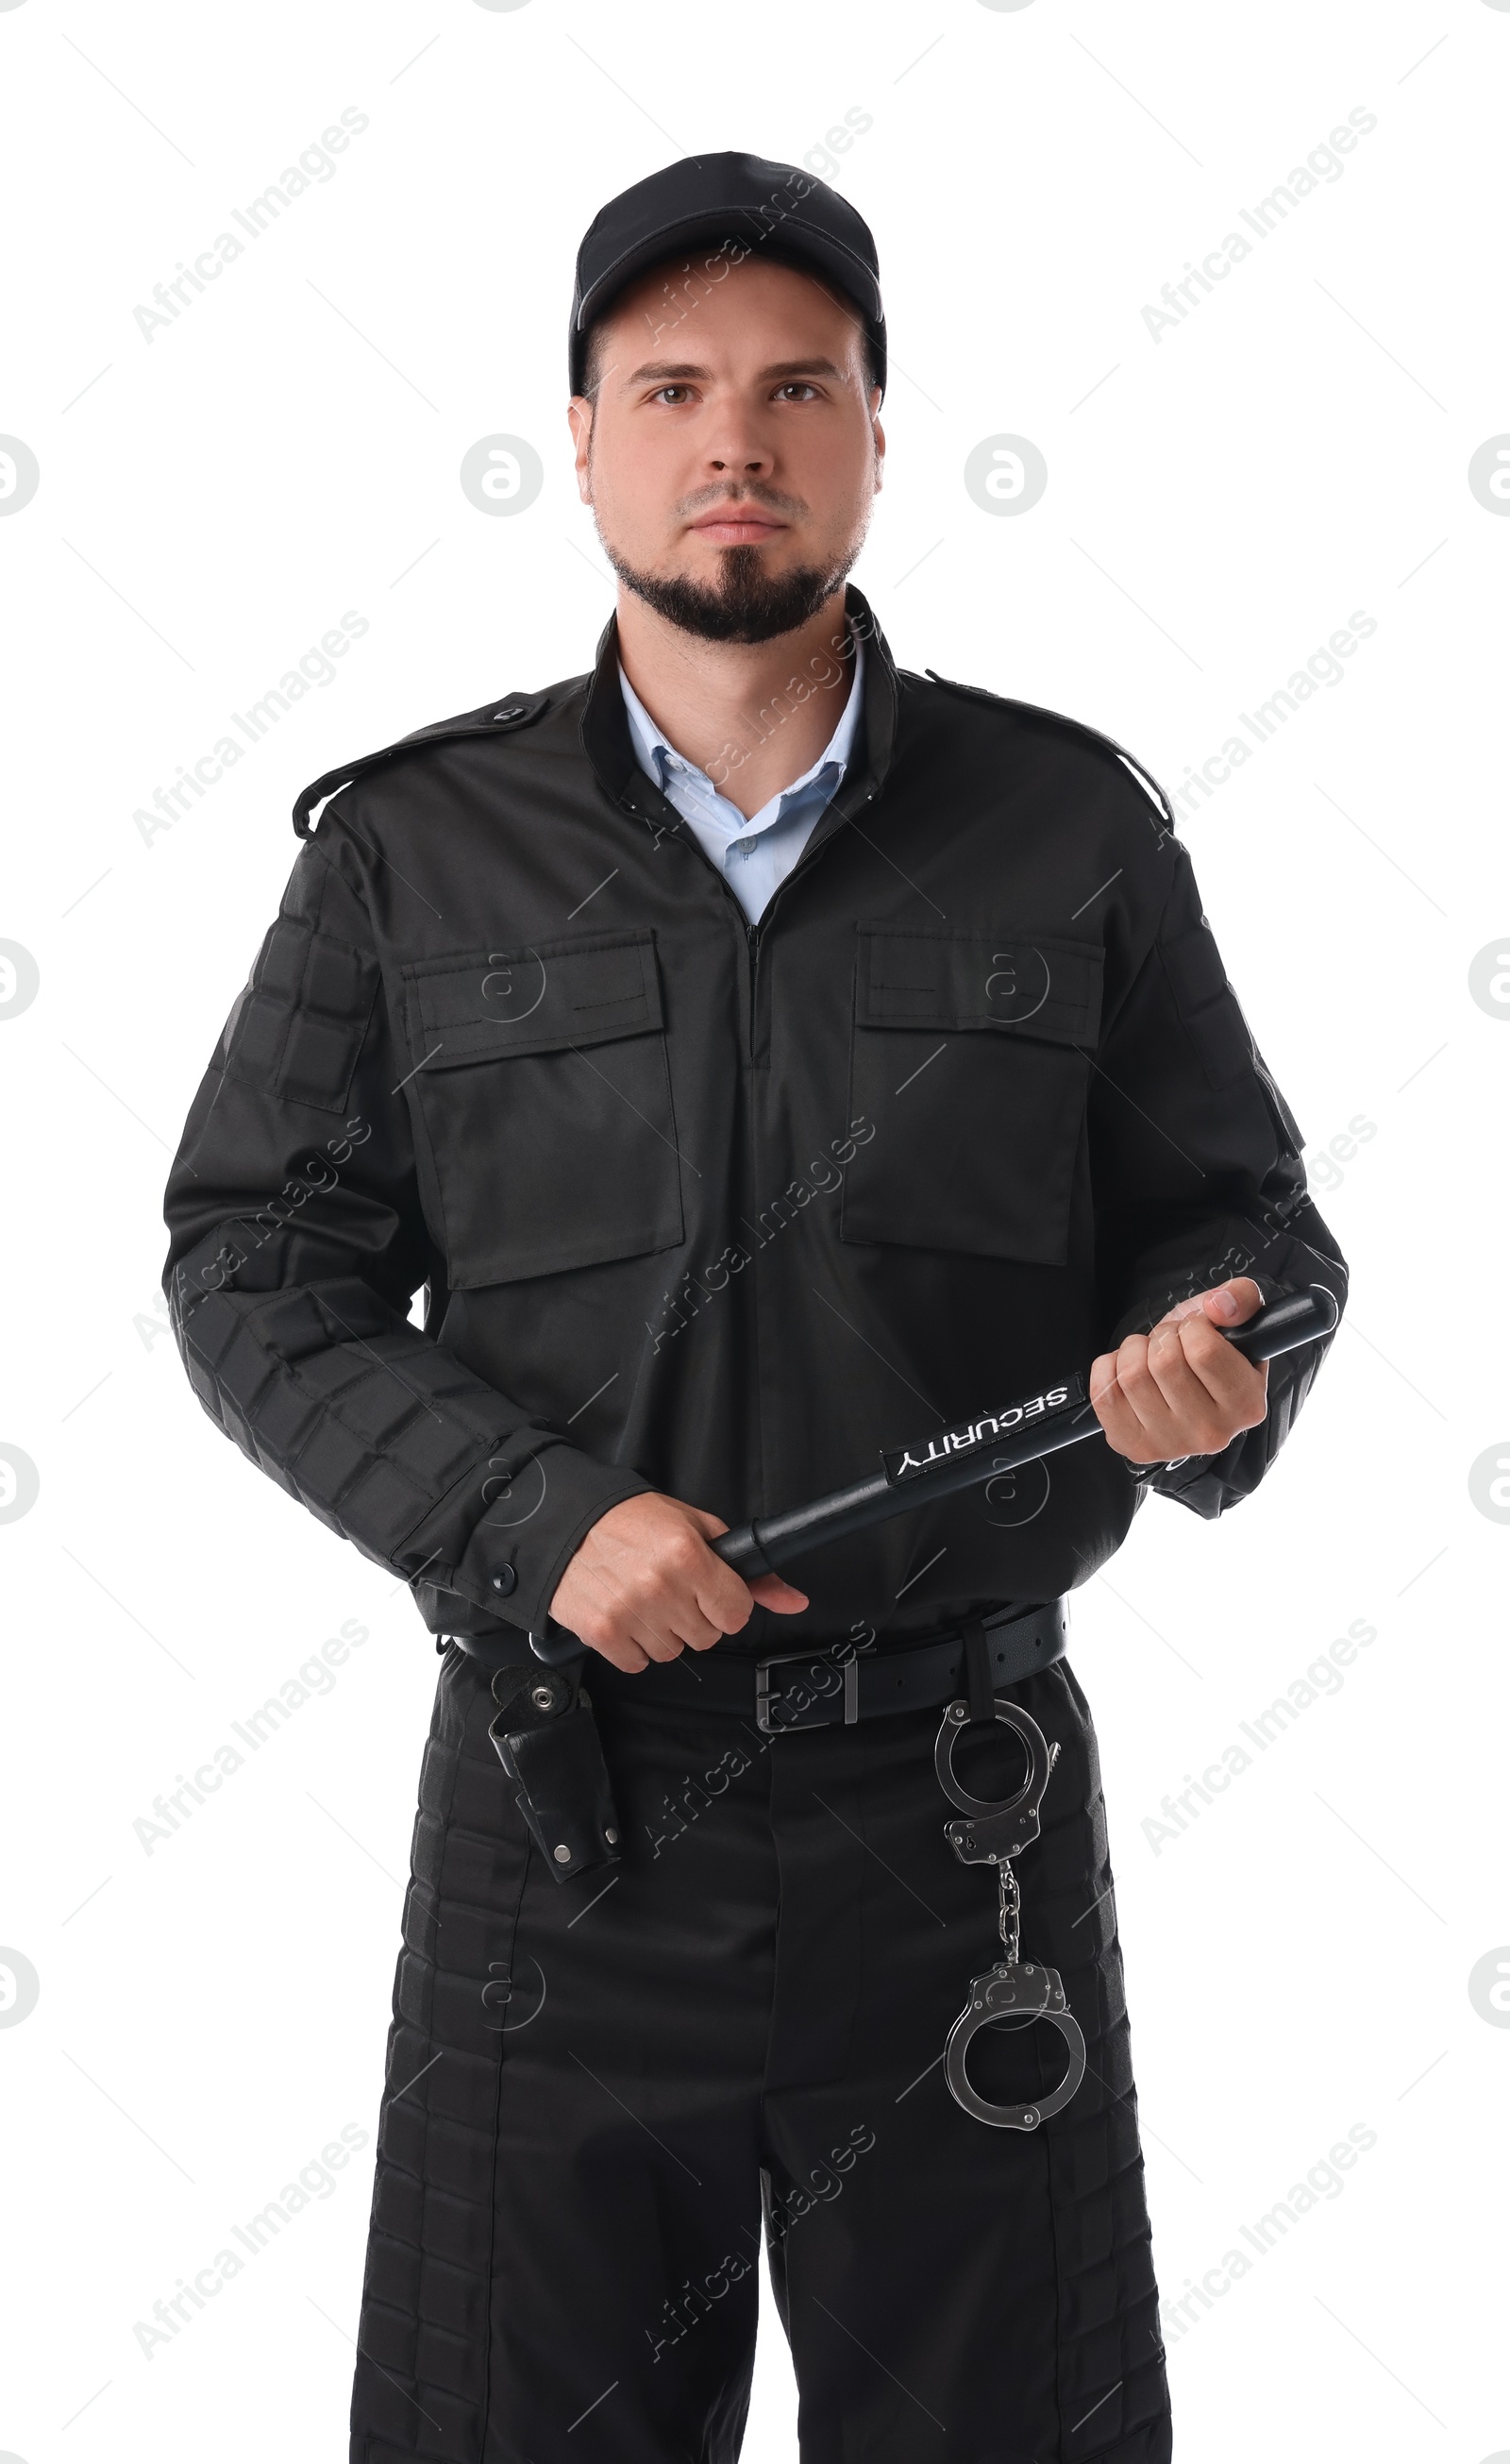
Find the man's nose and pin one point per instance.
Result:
(737, 451)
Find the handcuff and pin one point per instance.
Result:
(1012, 1988)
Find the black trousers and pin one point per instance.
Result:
(604, 2096)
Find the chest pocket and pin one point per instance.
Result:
(969, 1054)
(541, 1079)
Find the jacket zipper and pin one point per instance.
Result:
(752, 946)
(753, 931)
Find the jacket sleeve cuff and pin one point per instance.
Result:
(503, 1539)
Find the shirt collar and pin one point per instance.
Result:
(656, 751)
(602, 724)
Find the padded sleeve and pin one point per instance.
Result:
(296, 1243)
(1195, 1157)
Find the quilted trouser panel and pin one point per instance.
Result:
(422, 2375)
(1112, 2390)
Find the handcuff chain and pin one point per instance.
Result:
(1011, 1908)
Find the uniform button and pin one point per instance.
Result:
(504, 1580)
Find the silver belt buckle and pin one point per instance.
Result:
(845, 1690)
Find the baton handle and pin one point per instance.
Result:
(773, 1542)
(1285, 1325)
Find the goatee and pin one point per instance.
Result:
(749, 605)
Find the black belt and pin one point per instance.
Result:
(823, 1684)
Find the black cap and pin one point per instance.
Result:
(737, 198)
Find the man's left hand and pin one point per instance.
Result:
(1182, 1390)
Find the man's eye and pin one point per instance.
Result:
(664, 393)
(797, 385)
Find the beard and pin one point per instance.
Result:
(748, 604)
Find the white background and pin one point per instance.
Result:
(1219, 502)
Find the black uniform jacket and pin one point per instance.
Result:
(720, 1210)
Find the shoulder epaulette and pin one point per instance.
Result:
(1076, 727)
(506, 716)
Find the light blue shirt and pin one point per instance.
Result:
(753, 855)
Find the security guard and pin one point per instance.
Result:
(756, 1052)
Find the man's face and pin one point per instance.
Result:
(733, 455)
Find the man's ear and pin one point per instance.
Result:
(878, 434)
(579, 420)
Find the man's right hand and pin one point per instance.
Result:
(645, 1584)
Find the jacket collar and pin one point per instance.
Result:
(610, 750)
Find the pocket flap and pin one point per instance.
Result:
(544, 996)
(1024, 984)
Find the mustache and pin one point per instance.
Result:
(756, 491)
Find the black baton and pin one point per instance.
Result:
(965, 1455)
